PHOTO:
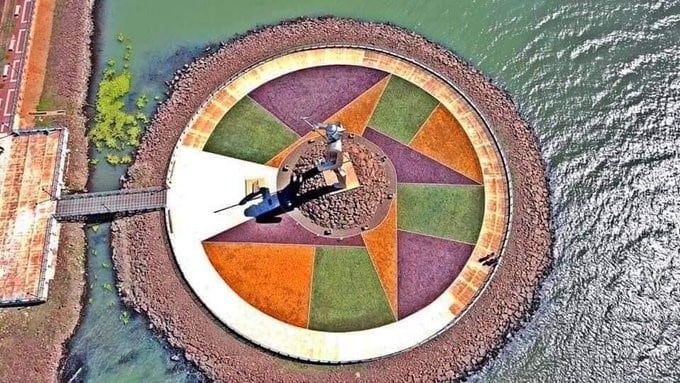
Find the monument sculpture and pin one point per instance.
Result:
(336, 168)
(335, 160)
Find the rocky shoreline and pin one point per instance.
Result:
(35, 338)
(68, 75)
(150, 281)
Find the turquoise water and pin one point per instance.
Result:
(600, 83)
(108, 346)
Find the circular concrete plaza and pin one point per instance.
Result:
(359, 297)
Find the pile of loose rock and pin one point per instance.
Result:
(68, 73)
(348, 209)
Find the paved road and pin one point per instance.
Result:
(15, 60)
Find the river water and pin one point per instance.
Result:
(600, 83)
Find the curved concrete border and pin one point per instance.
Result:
(337, 347)
(148, 275)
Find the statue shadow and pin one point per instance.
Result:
(272, 206)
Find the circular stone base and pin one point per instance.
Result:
(340, 213)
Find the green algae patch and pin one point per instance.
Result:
(346, 292)
(116, 128)
(450, 212)
(249, 133)
(402, 109)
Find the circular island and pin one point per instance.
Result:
(308, 282)
(413, 252)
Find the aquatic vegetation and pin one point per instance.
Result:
(94, 228)
(116, 129)
(141, 101)
(142, 117)
(113, 159)
(107, 287)
(124, 317)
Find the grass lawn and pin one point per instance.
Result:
(47, 100)
(346, 292)
(453, 212)
(250, 133)
(403, 107)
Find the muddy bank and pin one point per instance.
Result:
(150, 281)
(34, 338)
(66, 81)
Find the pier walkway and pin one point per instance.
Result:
(118, 202)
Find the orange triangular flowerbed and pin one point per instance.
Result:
(253, 271)
(356, 115)
(443, 139)
(381, 243)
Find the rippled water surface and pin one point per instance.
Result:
(600, 83)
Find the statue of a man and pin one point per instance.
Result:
(334, 156)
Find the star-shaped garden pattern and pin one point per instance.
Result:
(368, 280)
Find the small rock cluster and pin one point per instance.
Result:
(348, 209)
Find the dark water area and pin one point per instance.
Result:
(600, 83)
